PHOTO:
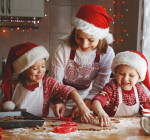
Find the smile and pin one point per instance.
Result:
(39, 77)
(85, 49)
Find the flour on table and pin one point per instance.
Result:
(46, 131)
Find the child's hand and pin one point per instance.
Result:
(103, 119)
(102, 115)
(74, 113)
(59, 109)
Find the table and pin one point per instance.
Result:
(128, 129)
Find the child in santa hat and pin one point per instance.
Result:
(32, 90)
(122, 96)
(83, 59)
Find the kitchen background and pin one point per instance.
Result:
(56, 21)
(44, 21)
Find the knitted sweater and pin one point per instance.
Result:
(52, 91)
(109, 97)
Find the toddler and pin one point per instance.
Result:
(123, 95)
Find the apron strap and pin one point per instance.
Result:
(136, 94)
(72, 55)
(120, 94)
(97, 56)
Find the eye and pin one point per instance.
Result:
(91, 40)
(78, 37)
(121, 73)
(35, 68)
(131, 75)
(43, 66)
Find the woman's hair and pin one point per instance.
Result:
(71, 40)
(101, 47)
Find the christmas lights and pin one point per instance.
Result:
(120, 32)
(24, 24)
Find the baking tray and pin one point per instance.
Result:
(29, 120)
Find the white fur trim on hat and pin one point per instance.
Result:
(29, 58)
(132, 59)
(92, 30)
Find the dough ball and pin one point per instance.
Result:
(8, 106)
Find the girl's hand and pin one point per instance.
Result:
(59, 109)
(103, 119)
(74, 113)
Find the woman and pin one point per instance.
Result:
(83, 59)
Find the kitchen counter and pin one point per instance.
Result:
(126, 129)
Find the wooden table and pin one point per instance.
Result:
(128, 129)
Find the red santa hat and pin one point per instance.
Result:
(136, 60)
(93, 20)
(20, 58)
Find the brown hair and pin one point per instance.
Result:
(71, 40)
(101, 47)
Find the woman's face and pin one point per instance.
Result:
(126, 77)
(36, 71)
(84, 41)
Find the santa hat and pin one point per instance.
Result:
(136, 60)
(20, 58)
(93, 20)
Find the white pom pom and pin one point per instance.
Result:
(8, 106)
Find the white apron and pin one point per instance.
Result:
(31, 101)
(125, 110)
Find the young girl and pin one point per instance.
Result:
(83, 59)
(123, 95)
(32, 90)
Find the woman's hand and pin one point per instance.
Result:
(85, 114)
(103, 119)
(59, 109)
(88, 103)
(75, 110)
